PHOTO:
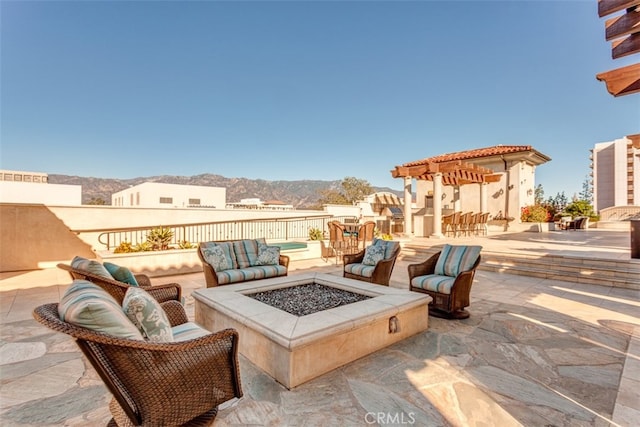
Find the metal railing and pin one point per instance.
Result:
(620, 213)
(271, 229)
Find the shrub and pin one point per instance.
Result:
(535, 213)
(315, 233)
(123, 248)
(159, 238)
(184, 244)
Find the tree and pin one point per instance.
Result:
(587, 192)
(538, 195)
(352, 190)
(96, 201)
(579, 208)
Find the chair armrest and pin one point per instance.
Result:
(175, 312)
(143, 280)
(353, 258)
(382, 271)
(166, 292)
(423, 268)
(284, 261)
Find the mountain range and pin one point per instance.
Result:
(301, 194)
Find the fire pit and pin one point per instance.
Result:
(295, 348)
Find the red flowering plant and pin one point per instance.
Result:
(535, 213)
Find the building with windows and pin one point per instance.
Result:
(34, 187)
(256, 203)
(160, 195)
(616, 173)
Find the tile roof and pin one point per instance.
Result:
(496, 150)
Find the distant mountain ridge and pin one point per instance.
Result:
(300, 194)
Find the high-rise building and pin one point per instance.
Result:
(616, 172)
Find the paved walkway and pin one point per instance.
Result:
(535, 352)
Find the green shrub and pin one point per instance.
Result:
(184, 244)
(315, 233)
(159, 238)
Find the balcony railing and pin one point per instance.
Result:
(278, 229)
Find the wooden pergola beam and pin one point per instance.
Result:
(607, 7)
(627, 46)
(622, 81)
(622, 25)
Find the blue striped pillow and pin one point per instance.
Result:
(247, 252)
(453, 260)
(89, 306)
(91, 266)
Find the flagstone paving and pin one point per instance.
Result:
(534, 352)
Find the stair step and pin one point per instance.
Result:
(607, 272)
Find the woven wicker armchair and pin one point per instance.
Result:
(381, 274)
(450, 293)
(155, 384)
(162, 293)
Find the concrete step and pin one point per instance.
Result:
(606, 272)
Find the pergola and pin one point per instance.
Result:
(447, 172)
(624, 33)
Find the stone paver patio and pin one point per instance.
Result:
(534, 352)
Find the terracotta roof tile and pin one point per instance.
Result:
(496, 150)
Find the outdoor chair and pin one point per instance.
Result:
(152, 383)
(339, 243)
(447, 277)
(373, 264)
(117, 289)
(579, 223)
(365, 233)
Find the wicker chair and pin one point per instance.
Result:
(450, 293)
(366, 233)
(381, 271)
(162, 293)
(153, 384)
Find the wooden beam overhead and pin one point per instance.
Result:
(622, 81)
(607, 7)
(623, 25)
(627, 46)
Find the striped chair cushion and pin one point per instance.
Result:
(247, 252)
(455, 259)
(89, 306)
(434, 283)
(360, 269)
(188, 331)
(121, 274)
(250, 273)
(91, 266)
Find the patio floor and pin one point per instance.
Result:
(535, 352)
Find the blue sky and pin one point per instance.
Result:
(302, 90)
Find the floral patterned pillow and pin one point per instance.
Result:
(215, 256)
(147, 314)
(373, 254)
(268, 255)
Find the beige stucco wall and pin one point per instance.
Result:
(32, 237)
(38, 236)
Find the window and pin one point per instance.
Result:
(166, 200)
(194, 201)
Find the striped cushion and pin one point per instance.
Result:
(147, 314)
(359, 269)
(434, 283)
(89, 306)
(188, 331)
(247, 252)
(453, 260)
(121, 274)
(389, 246)
(91, 266)
(250, 273)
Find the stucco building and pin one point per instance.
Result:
(499, 180)
(34, 187)
(160, 195)
(616, 173)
